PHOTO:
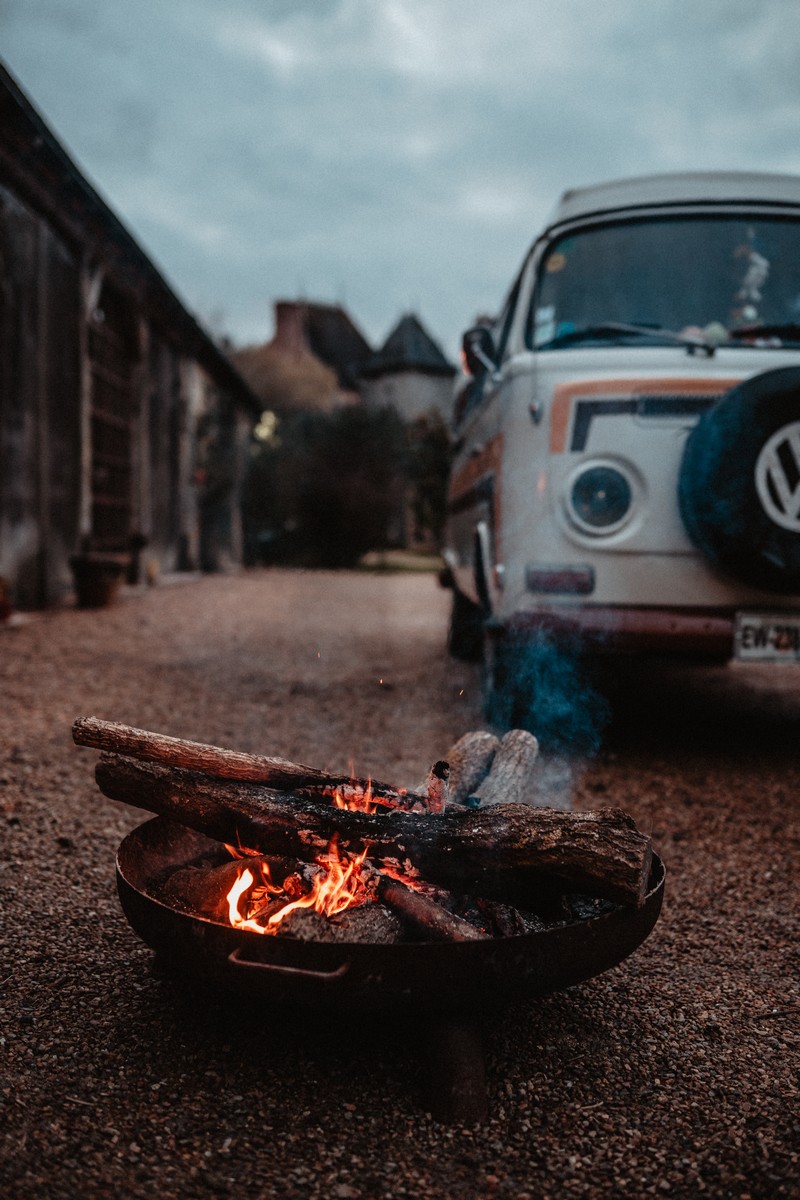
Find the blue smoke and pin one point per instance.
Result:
(546, 687)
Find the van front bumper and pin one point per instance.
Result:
(618, 629)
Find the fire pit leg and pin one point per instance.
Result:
(456, 1071)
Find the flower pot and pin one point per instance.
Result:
(97, 578)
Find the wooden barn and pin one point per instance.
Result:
(123, 427)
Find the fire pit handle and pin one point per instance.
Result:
(276, 969)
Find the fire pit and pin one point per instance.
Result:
(522, 929)
(450, 981)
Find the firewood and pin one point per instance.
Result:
(511, 778)
(436, 786)
(220, 763)
(369, 923)
(508, 921)
(505, 920)
(195, 890)
(425, 914)
(594, 853)
(204, 890)
(470, 759)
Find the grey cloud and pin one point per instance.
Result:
(390, 151)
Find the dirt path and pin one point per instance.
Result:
(676, 1073)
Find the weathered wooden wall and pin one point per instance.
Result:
(39, 405)
(115, 405)
(106, 428)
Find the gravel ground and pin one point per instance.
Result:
(676, 1073)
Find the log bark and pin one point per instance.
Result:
(220, 763)
(470, 759)
(425, 914)
(511, 779)
(483, 850)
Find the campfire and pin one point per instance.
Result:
(300, 853)
(317, 891)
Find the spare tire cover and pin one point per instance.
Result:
(739, 484)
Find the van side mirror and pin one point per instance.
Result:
(479, 350)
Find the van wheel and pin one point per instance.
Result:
(739, 483)
(465, 632)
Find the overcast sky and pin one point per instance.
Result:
(390, 155)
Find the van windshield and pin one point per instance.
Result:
(701, 276)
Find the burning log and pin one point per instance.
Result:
(228, 764)
(436, 787)
(374, 924)
(486, 850)
(425, 914)
(204, 890)
(198, 890)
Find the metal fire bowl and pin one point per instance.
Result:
(430, 976)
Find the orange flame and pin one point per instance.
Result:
(359, 801)
(337, 886)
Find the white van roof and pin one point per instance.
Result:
(685, 188)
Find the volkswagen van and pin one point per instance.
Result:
(626, 434)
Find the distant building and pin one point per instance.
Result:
(121, 422)
(331, 335)
(312, 363)
(409, 373)
(319, 360)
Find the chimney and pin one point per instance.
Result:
(290, 327)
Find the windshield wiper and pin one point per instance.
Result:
(614, 329)
(789, 331)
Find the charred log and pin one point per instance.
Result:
(204, 890)
(507, 921)
(370, 923)
(436, 787)
(483, 850)
(425, 914)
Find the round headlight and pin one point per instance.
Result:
(600, 499)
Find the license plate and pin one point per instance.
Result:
(765, 637)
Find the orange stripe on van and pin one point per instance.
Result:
(488, 461)
(565, 395)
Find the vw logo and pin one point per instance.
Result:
(777, 477)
